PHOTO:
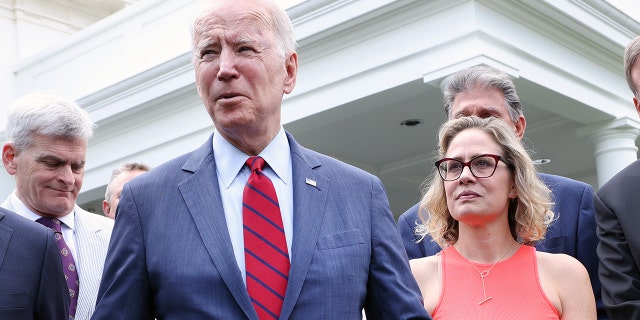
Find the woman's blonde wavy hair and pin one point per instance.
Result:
(529, 214)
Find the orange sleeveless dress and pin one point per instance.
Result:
(512, 284)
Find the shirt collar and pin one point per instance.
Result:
(20, 208)
(276, 154)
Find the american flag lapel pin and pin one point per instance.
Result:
(310, 182)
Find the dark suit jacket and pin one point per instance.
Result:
(171, 257)
(573, 233)
(617, 206)
(32, 284)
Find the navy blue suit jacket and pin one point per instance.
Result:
(617, 206)
(573, 233)
(171, 256)
(32, 284)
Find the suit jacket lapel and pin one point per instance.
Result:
(308, 213)
(201, 194)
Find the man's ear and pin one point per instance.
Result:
(106, 207)
(9, 158)
(291, 67)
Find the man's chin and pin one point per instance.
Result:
(60, 209)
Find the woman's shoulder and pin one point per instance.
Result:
(562, 270)
(426, 272)
(566, 283)
(425, 263)
(426, 268)
(559, 263)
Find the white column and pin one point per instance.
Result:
(615, 146)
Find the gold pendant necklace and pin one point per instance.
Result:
(484, 274)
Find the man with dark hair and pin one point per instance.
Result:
(617, 206)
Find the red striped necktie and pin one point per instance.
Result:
(265, 246)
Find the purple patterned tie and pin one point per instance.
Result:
(68, 264)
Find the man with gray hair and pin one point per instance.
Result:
(252, 225)
(119, 177)
(46, 152)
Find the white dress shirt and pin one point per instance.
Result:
(233, 175)
(68, 224)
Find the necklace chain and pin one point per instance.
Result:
(485, 273)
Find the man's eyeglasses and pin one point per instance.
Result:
(482, 166)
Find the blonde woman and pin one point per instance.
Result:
(487, 209)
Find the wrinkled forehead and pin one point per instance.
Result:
(481, 110)
(233, 15)
(472, 108)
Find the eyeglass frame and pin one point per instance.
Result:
(468, 164)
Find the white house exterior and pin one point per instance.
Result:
(365, 66)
